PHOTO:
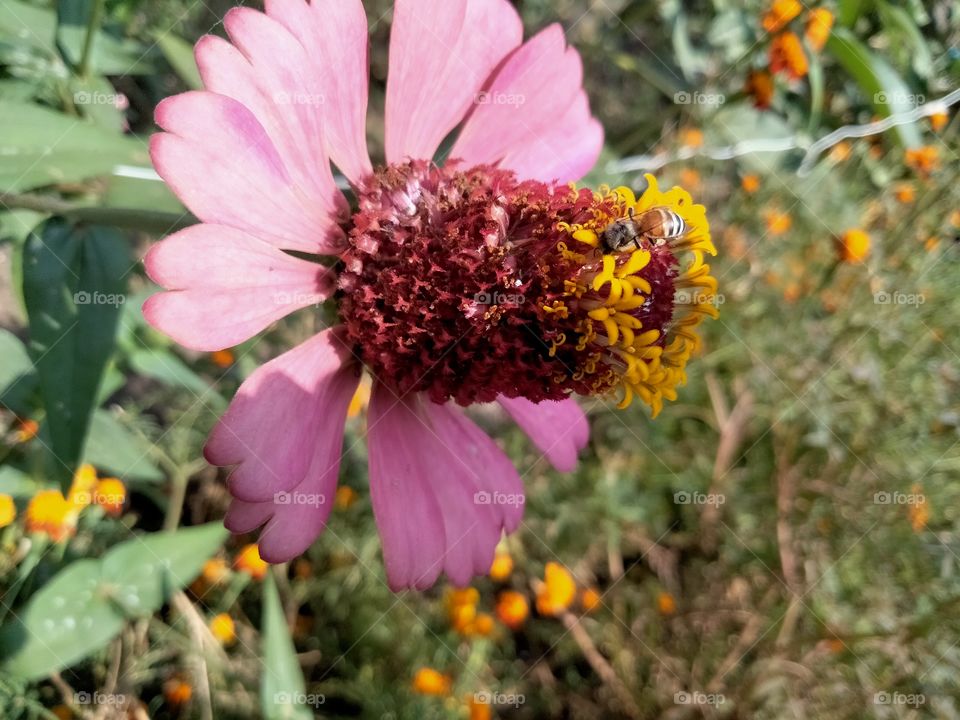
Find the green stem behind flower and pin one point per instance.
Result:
(159, 223)
(93, 27)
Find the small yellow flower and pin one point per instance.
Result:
(501, 567)
(428, 681)
(482, 625)
(760, 87)
(750, 183)
(666, 604)
(177, 692)
(854, 246)
(819, 24)
(939, 120)
(787, 56)
(904, 193)
(249, 561)
(110, 494)
(345, 497)
(924, 160)
(361, 398)
(8, 511)
(49, 513)
(591, 600)
(27, 430)
(223, 629)
(781, 12)
(558, 591)
(462, 608)
(81, 489)
(512, 609)
(918, 511)
(778, 222)
(222, 358)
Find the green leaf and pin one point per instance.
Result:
(40, 147)
(65, 621)
(85, 605)
(27, 24)
(17, 376)
(16, 483)
(145, 571)
(99, 101)
(179, 53)
(111, 56)
(73, 286)
(883, 87)
(849, 11)
(900, 24)
(165, 367)
(117, 451)
(282, 688)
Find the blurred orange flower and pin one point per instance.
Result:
(501, 567)
(781, 12)
(222, 358)
(81, 489)
(512, 609)
(27, 430)
(750, 183)
(923, 160)
(904, 193)
(819, 24)
(854, 245)
(759, 86)
(223, 629)
(462, 607)
(428, 681)
(250, 562)
(8, 511)
(666, 604)
(918, 511)
(787, 56)
(345, 497)
(110, 494)
(177, 692)
(590, 600)
(558, 590)
(939, 120)
(778, 222)
(479, 710)
(49, 513)
(691, 137)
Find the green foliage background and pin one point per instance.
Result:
(820, 401)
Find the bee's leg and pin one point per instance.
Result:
(636, 241)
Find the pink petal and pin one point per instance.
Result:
(534, 120)
(284, 428)
(442, 490)
(335, 35)
(226, 286)
(559, 429)
(441, 54)
(219, 160)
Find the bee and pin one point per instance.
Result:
(657, 225)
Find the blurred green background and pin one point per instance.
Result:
(780, 542)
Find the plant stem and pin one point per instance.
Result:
(130, 219)
(93, 26)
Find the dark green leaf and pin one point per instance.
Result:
(179, 53)
(164, 366)
(282, 689)
(17, 376)
(111, 56)
(73, 286)
(117, 451)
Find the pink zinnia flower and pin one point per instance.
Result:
(482, 280)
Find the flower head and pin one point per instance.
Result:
(512, 608)
(223, 629)
(557, 591)
(249, 561)
(924, 160)
(428, 681)
(479, 280)
(781, 12)
(787, 56)
(759, 86)
(8, 510)
(501, 567)
(50, 513)
(819, 24)
(854, 246)
(110, 494)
